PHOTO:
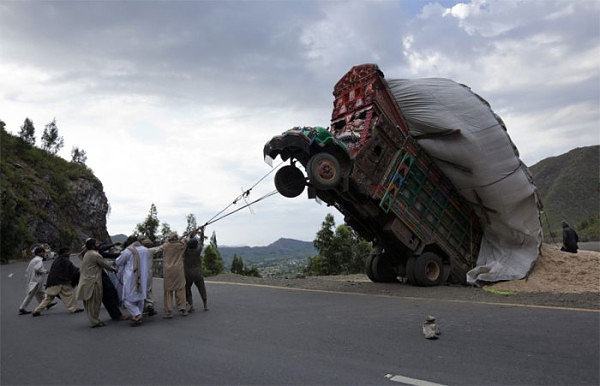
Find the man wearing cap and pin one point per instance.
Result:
(61, 275)
(90, 282)
(173, 275)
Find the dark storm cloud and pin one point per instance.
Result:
(207, 51)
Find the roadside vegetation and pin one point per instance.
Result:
(31, 175)
(341, 250)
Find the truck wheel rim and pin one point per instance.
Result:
(326, 170)
(432, 271)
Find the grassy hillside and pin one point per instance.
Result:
(569, 188)
(279, 251)
(45, 199)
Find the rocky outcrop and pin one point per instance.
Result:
(46, 199)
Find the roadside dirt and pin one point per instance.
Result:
(559, 272)
(361, 284)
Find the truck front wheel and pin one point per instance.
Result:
(429, 270)
(290, 181)
(324, 171)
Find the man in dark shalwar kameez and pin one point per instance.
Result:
(570, 238)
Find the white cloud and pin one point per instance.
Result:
(174, 104)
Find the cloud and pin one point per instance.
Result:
(174, 102)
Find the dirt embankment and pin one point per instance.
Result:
(559, 272)
(558, 279)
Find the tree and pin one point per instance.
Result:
(314, 266)
(253, 271)
(213, 264)
(27, 132)
(213, 239)
(78, 155)
(165, 229)
(237, 265)
(339, 255)
(191, 223)
(149, 227)
(340, 251)
(325, 234)
(2, 125)
(51, 141)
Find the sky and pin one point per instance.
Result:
(174, 101)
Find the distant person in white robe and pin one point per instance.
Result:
(36, 277)
(133, 268)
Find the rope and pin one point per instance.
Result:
(244, 194)
(214, 220)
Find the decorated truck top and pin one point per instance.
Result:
(390, 191)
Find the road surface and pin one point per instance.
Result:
(262, 335)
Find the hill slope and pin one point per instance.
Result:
(282, 250)
(45, 199)
(568, 186)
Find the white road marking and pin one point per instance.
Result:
(410, 381)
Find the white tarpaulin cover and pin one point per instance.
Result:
(483, 164)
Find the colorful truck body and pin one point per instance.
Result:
(389, 189)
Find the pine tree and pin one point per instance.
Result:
(237, 265)
(191, 223)
(213, 239)
(149, 227)
(51, 141)
(27, 132)
(213, 264)
(165, 229)
(323, 243)
(78, 155)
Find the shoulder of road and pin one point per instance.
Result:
(359, 284)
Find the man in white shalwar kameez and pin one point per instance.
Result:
(133, 268)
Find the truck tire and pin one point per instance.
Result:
(368, 265)
(290, 181)
(324, 171)
(429, 270)
(410, 270)
(383, 269)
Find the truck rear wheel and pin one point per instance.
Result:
(383, 269)
(324, 171)
(429, 270)
(290, 181)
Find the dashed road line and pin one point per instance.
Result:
(410, 297)
(410, 381)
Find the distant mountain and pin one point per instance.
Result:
(569, 188)
(282, 250)
(119, 238)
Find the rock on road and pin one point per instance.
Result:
(261, 335)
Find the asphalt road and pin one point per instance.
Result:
(258, 335)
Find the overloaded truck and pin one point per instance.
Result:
(390, 191)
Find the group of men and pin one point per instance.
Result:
(126, 282)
